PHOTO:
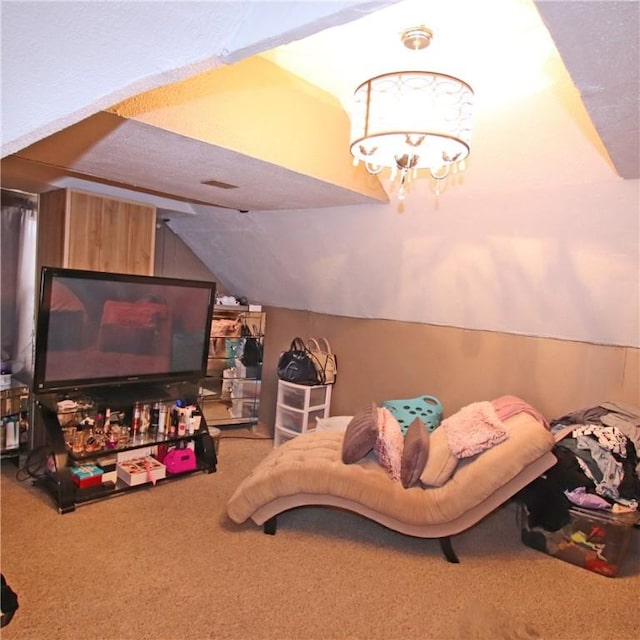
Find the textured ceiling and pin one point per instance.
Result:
(598, 42)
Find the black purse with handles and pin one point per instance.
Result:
(298, 365)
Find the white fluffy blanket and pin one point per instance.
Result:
(473, 429)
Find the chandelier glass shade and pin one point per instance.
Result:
(411, 120)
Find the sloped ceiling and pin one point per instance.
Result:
(547, 210)
(600, 44)
(239, 134)
(239, 128)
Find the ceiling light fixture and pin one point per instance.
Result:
(411, 120)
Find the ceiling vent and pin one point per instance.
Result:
(219, 185)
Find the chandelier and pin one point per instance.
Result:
(411, 120)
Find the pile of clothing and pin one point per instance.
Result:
(598, 466)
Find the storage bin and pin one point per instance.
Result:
(244, 409)
(245, 388)
(295, 395)
(295, 420)
(243, 371)
(593, 539)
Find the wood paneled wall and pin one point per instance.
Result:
(383, 359)
(83, 230)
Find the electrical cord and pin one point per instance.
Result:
(35, 465)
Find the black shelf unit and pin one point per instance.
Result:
(57, 480)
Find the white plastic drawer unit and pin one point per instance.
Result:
(281, 436)
(302, 397)
(298, 420)
(298, 407)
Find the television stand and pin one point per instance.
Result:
(91, 460)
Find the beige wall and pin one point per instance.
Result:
(382, 359)
(174, 259)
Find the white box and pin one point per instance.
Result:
(110, 476)
(12, 437)
(137, 471)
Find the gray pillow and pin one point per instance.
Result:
(414, 453)
(360, 435)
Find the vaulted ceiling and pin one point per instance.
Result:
(271, 131)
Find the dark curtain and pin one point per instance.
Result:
(17, 280)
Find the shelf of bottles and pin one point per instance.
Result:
(88, 430)
(14, 410)
(230, 393)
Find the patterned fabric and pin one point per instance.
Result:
(389, 444)
(473, 429)
(608, 438)
(427, 408)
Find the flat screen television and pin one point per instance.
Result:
(96, 329)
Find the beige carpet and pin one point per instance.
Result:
(165, 563)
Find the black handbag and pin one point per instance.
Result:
(298, 365)
(9, 600)
(252, 353)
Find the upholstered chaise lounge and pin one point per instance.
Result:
(308, 470)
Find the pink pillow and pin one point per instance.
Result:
(389, 444)
(473, 429)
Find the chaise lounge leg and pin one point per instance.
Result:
(269, 527)
(447, 549)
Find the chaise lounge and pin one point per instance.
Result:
(309, 470)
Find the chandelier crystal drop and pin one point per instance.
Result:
(406, 121)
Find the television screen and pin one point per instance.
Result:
(96, 328)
